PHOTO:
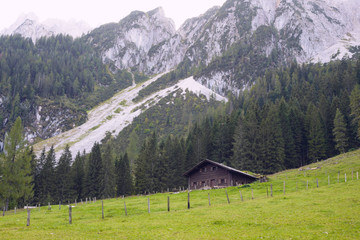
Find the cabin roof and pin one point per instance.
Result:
(197, 166)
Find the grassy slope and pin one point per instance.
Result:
(328, 212)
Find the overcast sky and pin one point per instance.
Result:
(97, 12)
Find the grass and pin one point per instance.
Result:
(324, 212)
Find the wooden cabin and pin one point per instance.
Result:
(210, 174)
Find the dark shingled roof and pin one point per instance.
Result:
(219, 165)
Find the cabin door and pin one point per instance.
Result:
(212, 183)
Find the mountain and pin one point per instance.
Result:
(28, 26)
(128, 44)
(288, 30)
(225, 49)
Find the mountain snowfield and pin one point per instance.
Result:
(117, 113)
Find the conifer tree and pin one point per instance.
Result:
(108, 173)
(94, 178)
(124, 182)
(339, 132)
(287, 135)
(47, 178)
(63, 177)
(145, 168)
(271, 143)
(355, 107)
(246, 146)
(15, 165)
(38, 187)
(78, 176)
(297, 128)
(315, 135)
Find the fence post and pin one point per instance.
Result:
(352, 174)
(59, 205)
(271, 191)
(70, 214)
(227, 196)
(81, 202)
(338, 176)
(252, 194)
(28, 217)
(148, 205)
(209, 199)
(39, 206)
(15, 210)
(267, 191)
(75, 202)
(296, 186)
(168, 198)
(307, 184)
(284, 187)
(241, 196)
(49, 206)
(125, 208)
(317, 183)
(188, 200)
(328, 179)
(357, 175)
(102, 208)
(345, 177)
(86, 201)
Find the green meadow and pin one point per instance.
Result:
(317, 203)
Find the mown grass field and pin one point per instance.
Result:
(330, 211)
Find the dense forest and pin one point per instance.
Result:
(59, 70)
(291, 117)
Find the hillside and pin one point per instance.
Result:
(113, 115)
(303, 211)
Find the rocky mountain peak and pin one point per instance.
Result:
(29, 26)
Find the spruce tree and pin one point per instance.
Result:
(63, 181)
(315, 135)
(15, 162)
(38, 187)
(271, 143)
(339, 132)
(355, 108)
(108, 173)
(287, 135)
(145, 166)
(246, 146)
(124, 182)
(78, 176)
(95, 172)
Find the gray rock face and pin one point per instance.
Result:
(318, 29)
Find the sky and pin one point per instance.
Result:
(97, 12)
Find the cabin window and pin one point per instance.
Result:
(204, 169)
(194, 183)
(200, 169)
(213, 168)
(223, 180)
(203, 183)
